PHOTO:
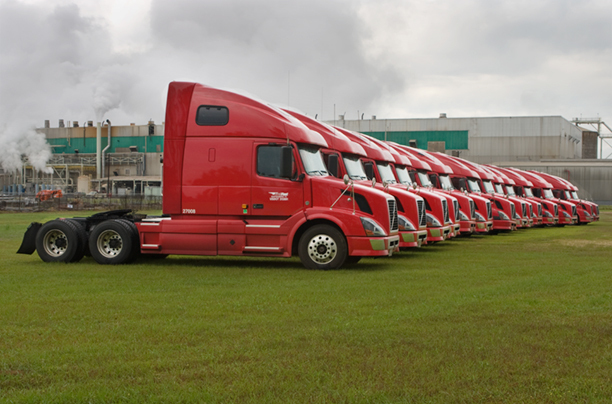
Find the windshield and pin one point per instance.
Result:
(499, 189)
(402, 174)
(575, 195)
(424, 179)
(488, 187)
(354, 168)
(548, 194)
(386, 173)
(528, 192)
(446, 183)
(510, 190)
(568, 196)
(473, 184)
(313, 161)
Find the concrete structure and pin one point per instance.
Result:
(482, 140)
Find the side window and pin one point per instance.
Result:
(269, 162)
(212, 115)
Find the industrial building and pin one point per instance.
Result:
(86, 159)
(121, 160)
(550, 144)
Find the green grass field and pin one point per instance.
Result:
(514, 318)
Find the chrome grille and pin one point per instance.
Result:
(489, 211)
(456, 207)
(524, 206)
(393, 222)
(445, 210)
(539, 210)
(513, 211)
(573, 210)
(472, 210)
(556, 209)
(422, 213)
(530, 210)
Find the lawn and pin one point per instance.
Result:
(514, 318)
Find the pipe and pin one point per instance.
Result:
(98, 149)
(107, 146)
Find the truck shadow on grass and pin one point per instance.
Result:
(370, 264)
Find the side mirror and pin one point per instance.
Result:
(346, 179)
(332, 164)
(369, 170)
(286, 163)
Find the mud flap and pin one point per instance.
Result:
(28, 245)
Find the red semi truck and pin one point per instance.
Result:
(505, 214)
(543, 189)
(439, 177)
(381, 166)
(504, 185)
(562, 191)
(589, 206)
(240, 178)
(466, 179)
(343, 157)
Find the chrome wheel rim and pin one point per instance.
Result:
(322, 249)
(55, 243)
(109, 243)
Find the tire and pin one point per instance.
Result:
(84, 249)
(112, 243)
(135, 239)
(59, 241)
(322, 247)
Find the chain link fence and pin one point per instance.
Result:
(29, 203)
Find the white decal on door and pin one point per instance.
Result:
(279, 196)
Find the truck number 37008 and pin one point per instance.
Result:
(189, 211)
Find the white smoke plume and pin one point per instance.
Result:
(23, 141)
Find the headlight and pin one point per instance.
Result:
(404, 224)
(432, 221)
(371, 227)
(480, 218)
(566, 214)
(547, 214)
(463, 216)
(502, 216)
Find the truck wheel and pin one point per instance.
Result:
(59, 241)
(322, 247)
(83, 249)
(135, 239)
(111, 242)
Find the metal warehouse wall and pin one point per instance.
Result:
(592, 177)
(483, 140)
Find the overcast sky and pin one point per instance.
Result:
(82, 60)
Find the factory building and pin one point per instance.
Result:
(550, 144)
(96, 159)
(85, 161)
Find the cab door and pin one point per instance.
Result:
(273, 196)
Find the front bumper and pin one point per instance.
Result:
(411, 239)
(372, 246)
